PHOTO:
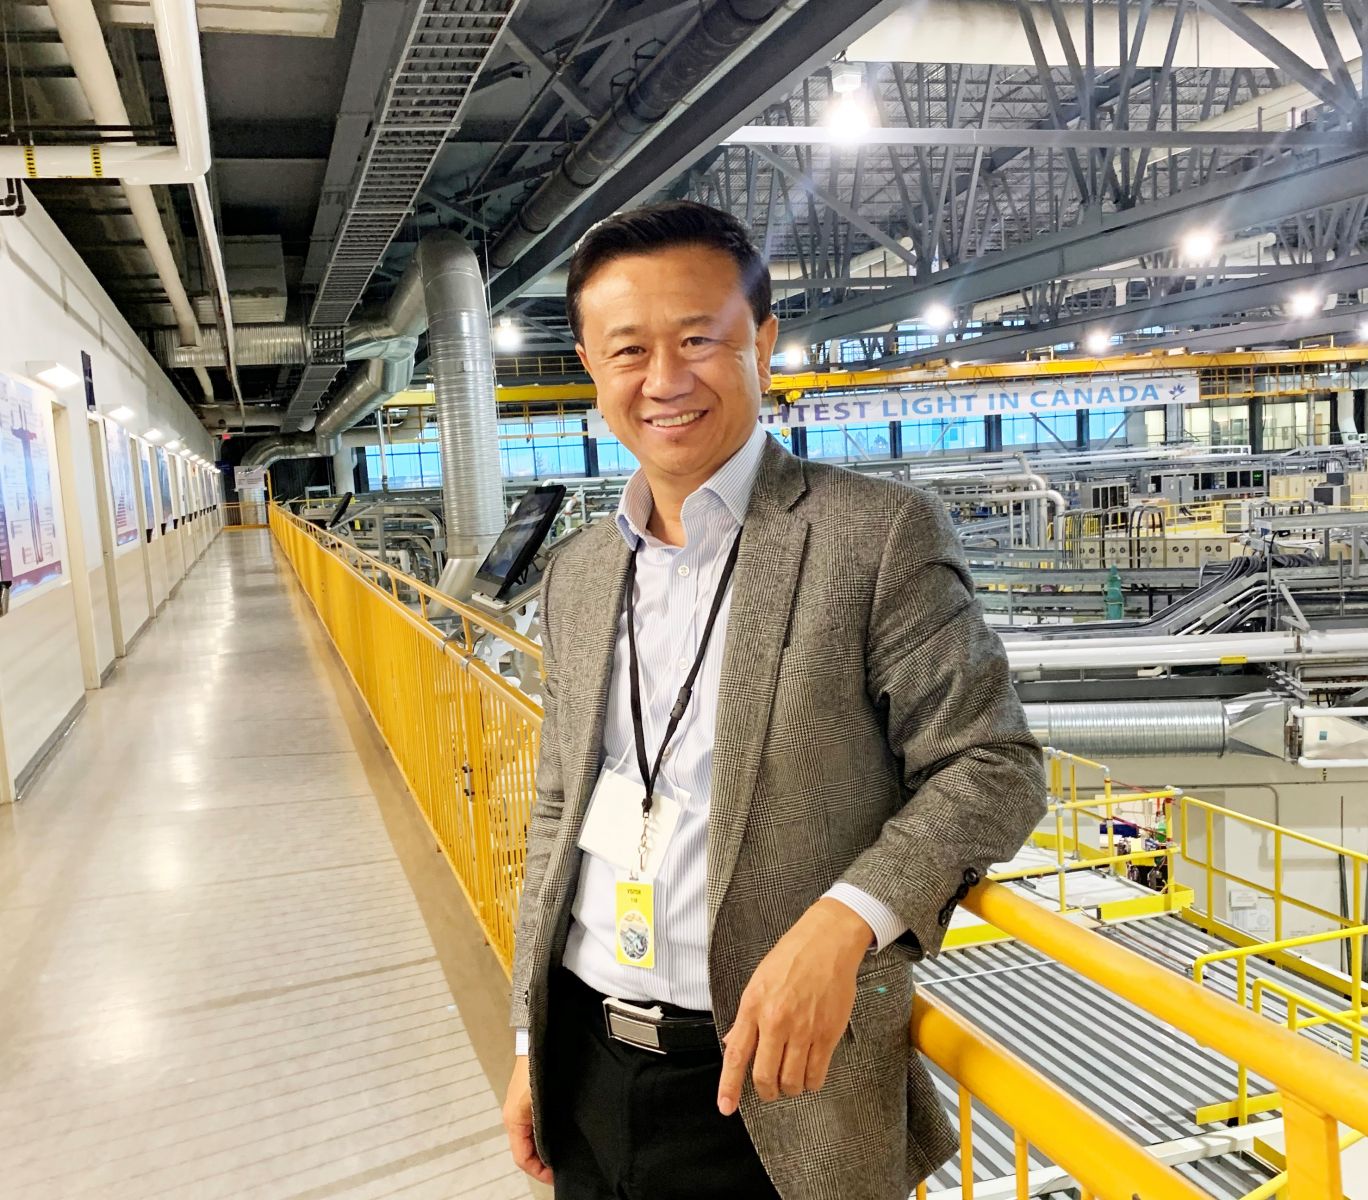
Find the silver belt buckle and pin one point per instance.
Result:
(634, 1025)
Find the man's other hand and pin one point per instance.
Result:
(517, 1119)
(796, 1007)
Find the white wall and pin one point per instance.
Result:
(61, 637)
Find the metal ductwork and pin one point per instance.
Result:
(273, 449)
(701, 46)
(256, 346)
(1162, 728)
(462, 363)
(366, 389)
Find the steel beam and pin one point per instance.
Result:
(1253, 198)
(1195, 307)
(1059, 139)
(834, 203)
(1238, 21)
(763, 72)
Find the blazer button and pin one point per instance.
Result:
(962, 891)
(944, 915)
(971, 877)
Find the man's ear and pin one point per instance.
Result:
(765, 337)
(583, 357)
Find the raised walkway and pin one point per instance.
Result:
(229, 949)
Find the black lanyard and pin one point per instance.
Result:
(650, 774)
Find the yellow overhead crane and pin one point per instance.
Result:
(1234, 375)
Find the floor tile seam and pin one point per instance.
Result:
(240, 1034)
(456, 1071)
(331, 1050)
(253, 981)
(251, 804)
(319, 1145)
(279, 1128)
(387, 1056)
(375, 862)
(479, 1171)
(422, 1158)
(224, 957)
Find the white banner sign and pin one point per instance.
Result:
(987, 398)
(247, 478)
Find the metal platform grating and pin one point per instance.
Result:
(448, 44)
(1146, 1078)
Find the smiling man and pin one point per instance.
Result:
(780, 745)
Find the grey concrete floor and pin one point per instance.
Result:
(232, 962)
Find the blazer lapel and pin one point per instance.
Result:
(767, 572)
(588, 663)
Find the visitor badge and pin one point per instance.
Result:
(613, 825)
(635, 923)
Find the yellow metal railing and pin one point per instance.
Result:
(245, 514)
(464, 737)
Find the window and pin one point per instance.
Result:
(409, 465)
(942, 437)
(848, 443)
(614, 458)
(1230, 424)
(1107, 426)
(542, 448)
(1029, 430)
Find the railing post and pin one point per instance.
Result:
(1313, 1152)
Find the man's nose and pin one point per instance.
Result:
(668, 376)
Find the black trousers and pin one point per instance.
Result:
(627, 1124)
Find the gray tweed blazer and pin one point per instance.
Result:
(867, 730)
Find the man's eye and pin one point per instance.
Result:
(626, 350)
(698, 340)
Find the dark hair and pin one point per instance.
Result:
(663, 227)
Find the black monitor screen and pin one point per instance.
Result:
(522, 537)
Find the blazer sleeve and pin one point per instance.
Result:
(545, 819)
(973, 780)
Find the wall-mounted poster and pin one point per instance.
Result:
(121, 493)
(149, 509)
(28, 544)
(164, 482)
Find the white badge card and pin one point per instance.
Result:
(612, 826)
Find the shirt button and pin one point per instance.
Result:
(683, 664)
(684, 570)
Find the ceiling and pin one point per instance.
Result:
(1039, 187)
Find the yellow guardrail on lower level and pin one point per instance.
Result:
(465, 739)
(245, 514)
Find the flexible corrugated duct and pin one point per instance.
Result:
(462, 364)
(273, 449)
(703, 44)
(256, 346)
(1132, 730)
(366, 389)
(1251, 724)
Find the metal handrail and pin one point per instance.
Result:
(430, 599)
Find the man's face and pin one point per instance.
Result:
(671, 345)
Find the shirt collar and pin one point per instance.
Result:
(732, 483)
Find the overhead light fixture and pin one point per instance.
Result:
(1199, 246)
(846, 77)
(848, 117)
(56, 375)
(173, 444)
(122, 413)
(793, 357)
(154, 435)
(955, 364)
(1363, 332)
(1304, 304)
(1098, 342)
(507, 336)
(937, 316)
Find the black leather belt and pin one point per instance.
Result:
(657, 1028)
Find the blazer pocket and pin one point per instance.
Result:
(880, 1022)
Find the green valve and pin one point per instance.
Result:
(1116, 602)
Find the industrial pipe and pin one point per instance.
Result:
(702, 45)
(273, 449)
(177, 28)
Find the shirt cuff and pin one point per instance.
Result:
(522, 1042)
(888, 927)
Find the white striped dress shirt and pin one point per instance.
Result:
(674, 590)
